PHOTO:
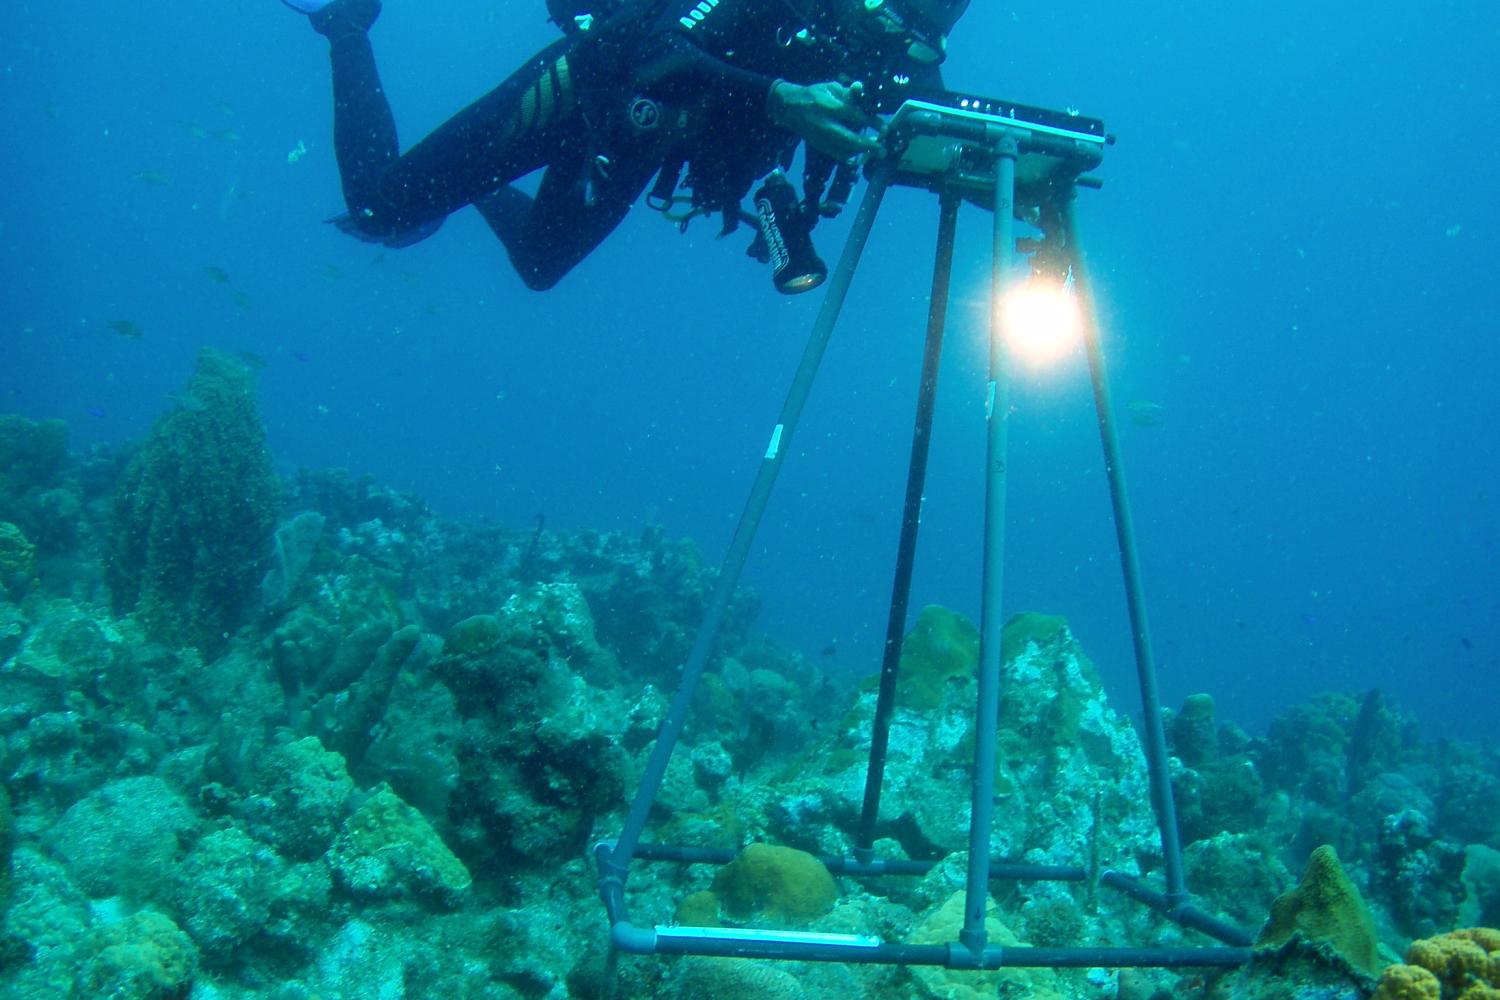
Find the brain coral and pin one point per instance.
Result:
(782, 882)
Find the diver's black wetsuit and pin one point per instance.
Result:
(663, 82)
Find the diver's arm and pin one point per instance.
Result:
(676, 66)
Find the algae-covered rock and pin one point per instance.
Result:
(942, 648)
(47, 923)
(224, 891)
(558, 615)
(1238, 873)
(38, 484)
(1325, 907)
(300, 797)
(1194, 733)
(699, 909)
(7, 848)
(719, 978)
(414, 750)
(386, 849)
(1481, 904)
(195, 510)
(1420, 873)
(142, 957)
(1070, 779)
(327, 642)
(472, 636)
(32, 453)
(17, 561)
(941, 926)
(124, 839)
(68, 647)
(782, 883)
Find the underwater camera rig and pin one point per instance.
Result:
(1020, 163)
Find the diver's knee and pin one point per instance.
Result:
(540, 280)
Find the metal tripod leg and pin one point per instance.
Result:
(1155, 742)
(982, 808)
(911, 513)
(744, 532)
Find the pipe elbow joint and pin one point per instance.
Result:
(633, 940)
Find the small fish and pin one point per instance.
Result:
(51, 109)
(1145, 413)
(194, 130)
(226, 109)
(832, 649)
(226, 135)
(95, 411)
(297, 152)
(1464, 641)
(253, 360)
(331, 272)
(217, 273)
(126, 329)
(156, 177)
(241, 300)
(302, 356)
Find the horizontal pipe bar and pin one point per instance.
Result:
(1184, 914)
(854, 949)
(853, 867)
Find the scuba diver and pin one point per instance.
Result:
(723, 89)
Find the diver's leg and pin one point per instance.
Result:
(548, 236)
(364, 130)
(518, 127)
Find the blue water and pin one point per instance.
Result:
(1294, 253)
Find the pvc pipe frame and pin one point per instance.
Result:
(803, 946)
(972, 950)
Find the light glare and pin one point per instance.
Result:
(1042, 321)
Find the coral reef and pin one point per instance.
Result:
(195, 510)
(385, 779)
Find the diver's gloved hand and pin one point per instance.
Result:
(827, 115)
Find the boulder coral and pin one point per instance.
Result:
(194, 512)
(781, 882)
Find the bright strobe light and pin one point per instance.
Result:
(1042, 321)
